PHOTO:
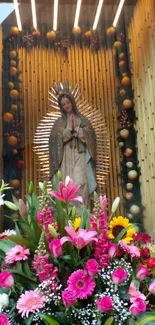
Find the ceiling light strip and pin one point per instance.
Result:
(19, 24)
(98, 12)
(34, 16)
(118, 12)
(55, 15)
(77, 14)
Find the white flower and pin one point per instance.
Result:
(4, 301)
(9, 232)
(1, 199)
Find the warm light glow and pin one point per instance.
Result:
(55, 15)
(17, 15)
(98, 14)
(34, 17)
(118, 12)
(77, 14)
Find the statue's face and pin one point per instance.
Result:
(66, 105)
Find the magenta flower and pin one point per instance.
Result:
(68, 298)
(134, 293)
(112, 247)
(103, 203)
(17, 253)
(132, 250)
(55, 248)
(142, 272)
(104, 304)
(45, 270)
(67, 192)
(6, 280)
(152, 287)
(92, 267)
(80, 239)
(138, 307)
(81, 284)
(118, 276)
(30, 302)
(4, 320)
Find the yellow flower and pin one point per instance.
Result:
(117, 224)
(76, 223)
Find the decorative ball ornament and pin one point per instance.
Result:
(14, 31)
(129, 196)
(13, 71)
(15, 183)
(36, 33)
(76, 31)
(122, 64)
(127, 104)
(13, 63)
(12, 54)
(111, 31)
(132, 174)
(126, 81)
(51, 36)
(135, 209)
(14, 107)
(130, 216)
(14, 151)
(14, 94)
(124, 133)
(121, 144)
(20, 164)
(8, 117)
(117, 45)
(17, 193)
(121, 56)
(15, 215)
(12, 141)
(129, 164)
(88, 34)
(122, 92)
(11, 85)
(129, 186)
(128, 152)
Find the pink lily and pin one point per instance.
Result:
(80, 239)
(67, 192)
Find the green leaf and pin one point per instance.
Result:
(48, 320)
(28, 321)
(10, 205)
(122, 233)
(109, 321)
(85, 218)
(147, 318)
(16, 202)
(6, 244)
(26, 269)
(23, 242)
(35, 202)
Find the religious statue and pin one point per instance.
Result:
(72, 147)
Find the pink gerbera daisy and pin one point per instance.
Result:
(30, 302)
(81, 284)
(17, 253)
(130, 249)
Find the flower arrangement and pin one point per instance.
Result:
(60, 269)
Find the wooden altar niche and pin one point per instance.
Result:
(94, 71)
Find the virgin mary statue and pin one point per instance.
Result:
(72, 147)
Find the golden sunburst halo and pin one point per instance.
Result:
(117, 224)
(76, 223)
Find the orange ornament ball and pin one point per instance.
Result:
(15, 151)
(11, 85)
(127, 103)
(76, 31)
(15, 183)
(129, 196)
(51, 36)
(14, 94)
(117, 45)
(13, 63)
(8, 117)
(122, 92)
(124, 74)
(36, 33)
(12, 54)
(132, 174)
(14, 107)
(14, 31)
(128, 152)
(111, 31)
(124, 133)
(126, 81)
(121, 56)
(122, 64)
(129, 186)
(12, 141)
(88, 34)
(13, 71)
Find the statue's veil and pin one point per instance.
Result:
(41, 137)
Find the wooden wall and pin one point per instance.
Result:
(94, 72)
(142, 49)
(1, 132)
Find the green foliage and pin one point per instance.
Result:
(48, 320)
(147, 318)
(109, 321)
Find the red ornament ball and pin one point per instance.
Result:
(20, 164)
